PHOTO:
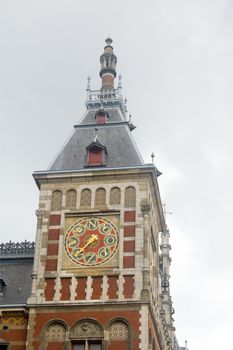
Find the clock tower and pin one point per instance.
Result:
(100, 278)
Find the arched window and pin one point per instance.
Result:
(119, 335)
(130, 197)
(115, 195)
(54, 336)
(100, 197)
(56, 201)
(71, 197)
(87, 334)
(85, 200)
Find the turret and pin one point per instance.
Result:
(108, 65)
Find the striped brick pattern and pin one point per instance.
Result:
(53, 240)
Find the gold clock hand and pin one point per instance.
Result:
(92, 239)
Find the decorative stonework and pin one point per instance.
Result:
(130, 197)
(55, 332)
(11, 318)
(115, 196)
(100, 197)
(71, 198)
(118, 330)
(13, 249)
(85, 200)
(56, 201)
(87, 329)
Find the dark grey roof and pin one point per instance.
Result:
(115, 115)
(16, 261)
(17, 277)
(115, 135)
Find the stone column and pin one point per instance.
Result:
(145, 207)
(39, 214)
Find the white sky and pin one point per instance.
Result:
(176, 60)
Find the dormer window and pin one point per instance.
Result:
(96, 154)
(3, 284)
(101, 117)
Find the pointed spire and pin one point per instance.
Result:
(108, 64)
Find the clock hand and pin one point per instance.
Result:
(92, 239)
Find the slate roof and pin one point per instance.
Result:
(16, 262)
(17, 276)
(115, 135)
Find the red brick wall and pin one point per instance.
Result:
(118, 345)
(128, 261)
(16, 333)
(81, 288)
(52, 249)
(53, 234)
(128, 286)
(129, 216)
(112, 287)
(49, 289)
(55, 346)
(51, 264)
(103, 316)
(53, 240)
(129, 246)
(129, 231)
(65, 288)
(96, 287)
(54, 219)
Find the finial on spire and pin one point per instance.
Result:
(108, 66)
(125, 105)
(119, 81)
(108, 41)
(88, 83)
(152, 157)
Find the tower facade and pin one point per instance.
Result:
(100, 278)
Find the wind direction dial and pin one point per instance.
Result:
(91, 241)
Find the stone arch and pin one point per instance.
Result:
(85, 199)
(115, 196)
(56, 200)
(100, 197)
(86, 329)
(130, 197)
(71, 198)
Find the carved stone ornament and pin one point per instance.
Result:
(145, 207)
(117, 330)
(39, 213)
(17, 248)
(55, 332)
(87, 329)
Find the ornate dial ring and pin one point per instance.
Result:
(91, 241)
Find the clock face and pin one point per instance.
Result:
(91, 241)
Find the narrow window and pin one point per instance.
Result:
(95, 156)
(115, 196)
(130, 197)
(71, 197)
(100, 197)
(56, 201)
(85, 200)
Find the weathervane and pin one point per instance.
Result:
(166, 212)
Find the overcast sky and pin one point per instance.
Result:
(176, 58)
